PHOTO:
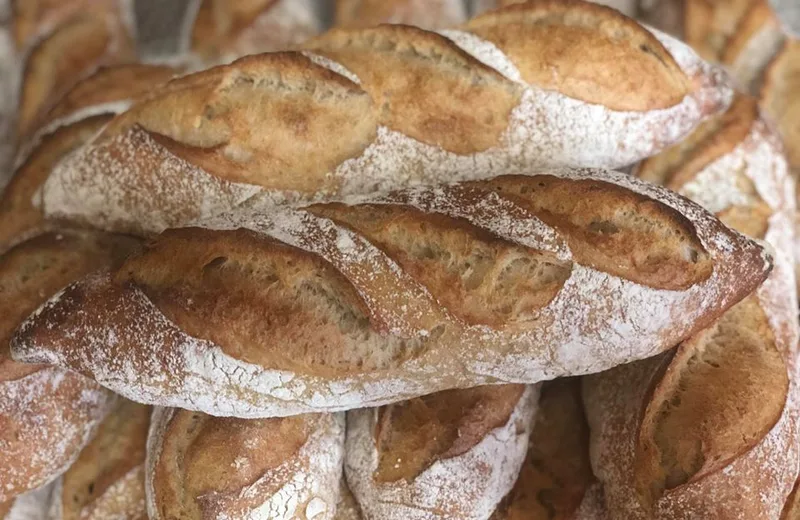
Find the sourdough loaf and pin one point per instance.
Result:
(452, 454)
(107, 479)
(202, 467)
(680, 435)
(427, 14)
(556, 480)
(224, 30)
(46, 414)
(514, 279)
(394, 106)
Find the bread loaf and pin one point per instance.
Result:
(46, 413)
(204, 467)
(452, 454)
(227, 29)
(556, 477)
(427, 14)
(781, 99)
(28, 506)
(680, 435)
(74, 49)
(515, 279)
(393, 106)
(107, 479)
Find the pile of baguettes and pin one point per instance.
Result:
(202, 269)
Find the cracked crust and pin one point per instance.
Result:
(330, 317)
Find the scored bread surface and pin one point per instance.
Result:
(514, 279)
(394, 105)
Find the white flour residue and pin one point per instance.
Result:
(331, 65)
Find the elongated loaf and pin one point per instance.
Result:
(680, 435)
(556, 479)
(46, 413)
(107, 479)
(224, 30)
(515, 279)
(378, 109)
(452, 454)
(427, 14)
(202, 467)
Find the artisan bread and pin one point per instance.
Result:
(427, 14)
(556, 479)
(73, 49)
(680, 435)
(394, 106)
(202, 467)
(107, 479)
(227, 29)
(28, 506)
(515, 279)
(46, 413)
(451, 454)
(780, 97)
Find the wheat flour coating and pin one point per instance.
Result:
(514, 279)
(394, 106)
(28, 506)
(348, 508)
(268, 469)
(107, 479)
(224, 30)
(704, 431)
(426, 14)
(46, 414)
(452, 454)
(556, 480)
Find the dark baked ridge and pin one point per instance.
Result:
(425, 86)
(197, 464)
(17, 212)
(587, 52)
(410, 436)
(117, 448)
(556, 472)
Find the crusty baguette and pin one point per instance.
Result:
(427, 14)
(514, 279)
(107, 479)
(46, 414)
(224, 30)
(19, 215)
(202, 467)
(60, 59)
(780, 97)
(757, 39)
(709, 24)
(452, 454)
(377, 109)
(680, 435)
(28, 506)
(556, 476)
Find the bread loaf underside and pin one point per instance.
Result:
(378, 109)
(331, 307)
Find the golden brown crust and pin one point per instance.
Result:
(211, 119)
(758, 16)
(108, 85)
(714, 138)
(617, 64)
(117, 450)
(695, 422)
(412, 435)
(72, 50)
(556, 473)
(708, 24)
(353, 14)
(426, 87)
(18, 214)
(780, 97)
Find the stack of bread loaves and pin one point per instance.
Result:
(385, 276)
